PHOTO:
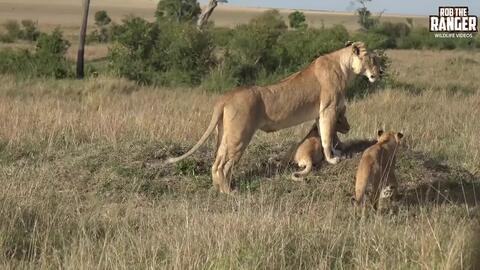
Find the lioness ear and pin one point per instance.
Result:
(348, 43)
(356, 49)
(399, 135)
(379, 132)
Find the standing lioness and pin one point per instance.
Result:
(314, 92)
(377, 167)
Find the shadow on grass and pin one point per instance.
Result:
(442, 184)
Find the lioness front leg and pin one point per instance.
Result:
(326, 125)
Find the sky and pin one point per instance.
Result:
(413, 7)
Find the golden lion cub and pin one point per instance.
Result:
(377, 167)
(310, 150)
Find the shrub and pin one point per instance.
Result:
(30, 31)
(251, 48)
(221, 36)
(47, 61)
(165, 54)
(298, 48)
(102, 18)
(18, 63)
(26, 31)
(372, 40)
(392, 32)
(13, 29)
(297, 20)
(99, 35)
(50, 55)
(178, 11)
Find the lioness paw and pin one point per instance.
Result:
(334, 160)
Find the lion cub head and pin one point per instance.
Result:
(364, 62)
(389, 137)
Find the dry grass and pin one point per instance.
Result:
(77, 195)
(66, 14)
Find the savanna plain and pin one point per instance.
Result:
(78, 191)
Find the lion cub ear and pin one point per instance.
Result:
(379, 132)
(399, 135)
(348, 43)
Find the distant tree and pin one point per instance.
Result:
(365, 16)
(297, 20)
(178, 10)
(102, 18)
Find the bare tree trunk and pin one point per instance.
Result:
(81, 43)
(203, 19)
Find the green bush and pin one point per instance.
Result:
(30, 30)
(47, 61)
(27, 31)
(165, 53)
(298, 48)
(100, 35)
(50, 55)
(102, 18)
(178, 11)
(392, 31)
(221, 36)
(13, 28)
(252, 47)
(297, 20)
(372, 40)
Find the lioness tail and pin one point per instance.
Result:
(217, 113)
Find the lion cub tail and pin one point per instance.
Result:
(217, 113)
(298, 176)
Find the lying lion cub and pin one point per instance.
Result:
(310, 150)
(377, 167)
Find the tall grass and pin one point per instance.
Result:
(76, 193)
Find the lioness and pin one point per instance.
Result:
(315, 92)
(310, 151)
(377, 167)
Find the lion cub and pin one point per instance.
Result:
(310, 150)
(377, 167)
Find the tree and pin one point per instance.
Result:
(102, 18)
(178, 11)
(212, 4)
(297, 20)
(81, 43)
(365, 16)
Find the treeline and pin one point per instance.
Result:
(171, 51)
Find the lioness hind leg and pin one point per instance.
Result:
(233, 143)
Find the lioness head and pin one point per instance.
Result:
(389, 137)
(364, 62)
(342, 124)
